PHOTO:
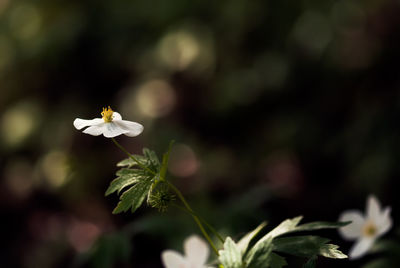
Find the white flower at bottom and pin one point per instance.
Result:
(110, 125)
(365, 229)
(196, 254)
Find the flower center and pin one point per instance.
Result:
(369, 229)
(107, 114)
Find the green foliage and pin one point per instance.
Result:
(244, 242)
(125, 177)
(135, 196)
(306, 246)
(230, 256)
(137, 178)
(263, 252)
(260, 254)
(312, 226)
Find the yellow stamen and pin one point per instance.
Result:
(369, 229)
(107, 114)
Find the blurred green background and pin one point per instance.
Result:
(278, 109)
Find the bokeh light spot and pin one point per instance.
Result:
(179, 49)
(18, 122)
(188, 47)
(54, 168)
(155, 98)
(82, 234)
(183, 161)
(25, 21)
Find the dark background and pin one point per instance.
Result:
(278, 109)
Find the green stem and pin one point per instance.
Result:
(195, 218)
(204, 221)
(132, 157)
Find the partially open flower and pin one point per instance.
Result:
(365, 229)
(110, 125)
(196, 254)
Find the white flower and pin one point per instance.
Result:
(365, 229)
(196, 254)
(110, 125)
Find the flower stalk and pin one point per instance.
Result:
(195, 218)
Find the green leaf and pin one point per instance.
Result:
(151, 159)
(277, 261)
(318, 225)
(129, 162)
(244, 242)
(230, 256)
(311, 263)
(307, 246)
(135, 180)
(125, 178)
(134, 197)
(285, 227)
(164, 165)
(331, 251)
(260, 254)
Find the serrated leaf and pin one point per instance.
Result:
(256, 253)
(332, 251)
(129, 162)
(311, 263)
(129, 172)
(260, 254)
(134, 197)
(152, 158)
(244, 242)
(285, 227)
(307, 246)
(125, 178)
(277, 261)
(120, 183)
(230, 256)
(318, 225)
(139, 176)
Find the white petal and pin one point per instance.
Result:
(112, 130)
(133, 127)
(81, 123)
(196, 250)
(373, 209)
(117, 116)
(385, 222)
(173, 259)
(360, 248)
(353, 230)
(95, 130)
